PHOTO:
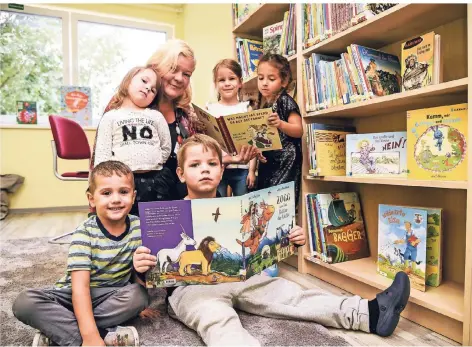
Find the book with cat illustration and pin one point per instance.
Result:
(211, 241)
(235, 130)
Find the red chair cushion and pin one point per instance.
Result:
(79, 174)
(69, 137)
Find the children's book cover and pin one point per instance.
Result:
(27, 112)
(382, 70)
(330, 147)
(342, 226)
(402, 243)
(418, 62)
(379, 154)
(211, 241)
(437, 143)
(271, 36)
(234, 131)
(76, 103)
(434, 247)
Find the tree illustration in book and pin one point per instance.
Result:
(211, 241)
(402, 243)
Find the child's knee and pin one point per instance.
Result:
(23, 304)
(138, 297)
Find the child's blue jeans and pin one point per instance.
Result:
(236, 179)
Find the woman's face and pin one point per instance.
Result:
(174, 83)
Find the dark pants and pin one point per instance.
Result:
(51, 312)
(152, 186)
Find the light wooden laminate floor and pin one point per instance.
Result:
(20, 226)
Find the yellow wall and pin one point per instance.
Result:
(207, 28)
(27, 152)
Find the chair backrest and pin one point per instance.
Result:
(71, 141)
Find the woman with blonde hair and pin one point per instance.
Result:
(175, 63)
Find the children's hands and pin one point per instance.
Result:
(251, 180)
(143, 260)
(274, 120)
(246, 153)
(297, 236)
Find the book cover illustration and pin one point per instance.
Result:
(234, 131)
(402, 243)
(434, 247)
(342, 226)
(379, 154)
(382, 70)
(271, 37)
(211, 241)
(27, 112)
(437, 143)
(330, 148)
(418, 62)
(76, 103)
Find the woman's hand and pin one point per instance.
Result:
(143, 260)
(246, 154)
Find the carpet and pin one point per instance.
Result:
(34, 263)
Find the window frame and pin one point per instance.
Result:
(70, 18)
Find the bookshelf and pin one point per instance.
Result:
(446, 309)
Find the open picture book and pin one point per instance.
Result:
(234, 131)
(220, 240)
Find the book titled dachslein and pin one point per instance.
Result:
(211, 241)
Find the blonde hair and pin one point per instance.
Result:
(361, 142)
(164, 60)
(108, 169)
(122, 92)
(206, 141)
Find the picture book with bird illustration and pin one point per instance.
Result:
(437, 143)
(211, 241)
(235, 130)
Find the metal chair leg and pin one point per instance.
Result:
(54, 239)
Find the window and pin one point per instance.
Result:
(34, 51)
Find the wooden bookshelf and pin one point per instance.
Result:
(395, 24)
(452, 92)
(252, 26)
(446, 309)
(251, 82)
(392, 181)
(448, 298)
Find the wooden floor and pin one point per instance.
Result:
(20, 226)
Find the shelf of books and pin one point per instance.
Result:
(383, 91)
(392, 181)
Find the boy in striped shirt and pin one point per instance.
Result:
(86, 306)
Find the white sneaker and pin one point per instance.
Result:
(122, 336)
(40, 340)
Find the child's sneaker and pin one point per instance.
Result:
(40, 340)
(122, 336)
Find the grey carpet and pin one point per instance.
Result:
(33, 263)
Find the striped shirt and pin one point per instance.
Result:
(108, 258)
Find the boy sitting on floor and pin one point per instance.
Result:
(87, 304)
(210, 310)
